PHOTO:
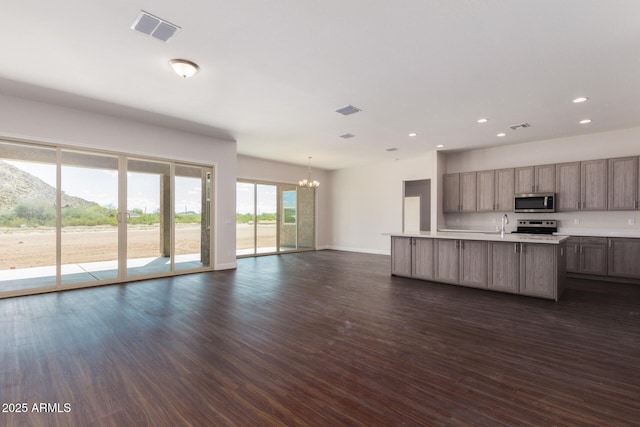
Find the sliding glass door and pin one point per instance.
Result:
(28, 188)
(89, 215)
(273, 218)
(148, 217)
(71, 218)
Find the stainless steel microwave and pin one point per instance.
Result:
(535, 202)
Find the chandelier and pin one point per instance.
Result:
(308, 182)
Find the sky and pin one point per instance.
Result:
(266, 198)
(143, 190)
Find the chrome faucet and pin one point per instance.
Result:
(504, 221)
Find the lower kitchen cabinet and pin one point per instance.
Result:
(535, 269)
(461, 262)
(401, 262)
(542, 269)
(624, 257)
(587, 255)
(504, 267)
(447, 261)
(473, 263)
(412, 257)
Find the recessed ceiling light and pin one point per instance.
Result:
(501, 134)
(413, 134)
(439, 146)
(391, 149)
(580, 99)
(585, 121)
(483, 120)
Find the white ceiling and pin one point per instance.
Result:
(273, 72)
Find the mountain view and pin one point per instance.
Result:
(17, 186)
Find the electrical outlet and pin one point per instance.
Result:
(576, 221)
(632, 221)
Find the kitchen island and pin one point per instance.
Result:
(532, 265)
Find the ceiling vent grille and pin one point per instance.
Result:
(347, 135)
(391, 149)
(349, 109)
(155, 27)
(520, 126)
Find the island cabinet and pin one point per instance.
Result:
(412, 257)
(535, 179)
(504, 267)
(542, 269)
(623, 184)
(587, 255)
(507, 263)
(581, 186)
(624, 257)
(527, 268)
(461, 262)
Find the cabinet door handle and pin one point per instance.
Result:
(522, 247)
(515, 248)
(581, 250)
(609, 242)
(575, 249)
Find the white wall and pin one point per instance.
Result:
(41, 122)
(619, 143)
(266, 170)
(366, 201)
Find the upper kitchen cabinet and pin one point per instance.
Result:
(581, 186)
(486, 191)
(535, 179)
(459, 192)
(593, 185)
(623, 183)
(505, 189)
(568, 186)
(451, 190)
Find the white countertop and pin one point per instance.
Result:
(595, 232)
(491, 236)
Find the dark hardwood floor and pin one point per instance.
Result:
(321, 339)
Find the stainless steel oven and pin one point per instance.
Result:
(535, 202)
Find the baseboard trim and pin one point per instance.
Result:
(226, 266)
(361, 250)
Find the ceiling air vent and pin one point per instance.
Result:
(349, 109)
(391, 149)
(347, 135)
(520, 126)
(155, 27)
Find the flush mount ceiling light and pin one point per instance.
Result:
(439, 146)
(580, 99)
(308, 182)
(501, 134)
(585, 121)
(483, 120)
(183, 67)
(412, 134)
